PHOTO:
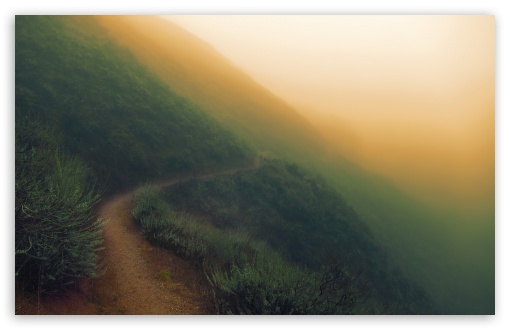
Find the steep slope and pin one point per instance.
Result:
(132, 124)
(196, 71)
(82, 102)
(109, 109)
(417, 235)
(302, 217)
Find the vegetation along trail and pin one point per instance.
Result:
(136, 278)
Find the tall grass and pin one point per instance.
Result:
(57, 235)
(246, 275)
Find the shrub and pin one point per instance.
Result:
(273, 286)
(57, 235)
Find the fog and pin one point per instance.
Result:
(409, 97)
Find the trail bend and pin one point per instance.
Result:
(136, 278)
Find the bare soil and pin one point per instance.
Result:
(136, 278)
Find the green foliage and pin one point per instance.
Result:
(273, 286)
(57, 235)
(304, 219)
(121, 119)
(246, 275)
(296, 212)
(182, 232)
(108, 111)
(129, 127)
(164, 275)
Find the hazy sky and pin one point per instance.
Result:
(417, 92)
(313, 59)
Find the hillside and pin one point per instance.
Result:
(300, 215)
(198, 72)
(129, 106)
(423, 239)
(124, 121)
(90, 120)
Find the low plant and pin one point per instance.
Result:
(164, 275)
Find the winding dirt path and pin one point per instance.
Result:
(136, 278)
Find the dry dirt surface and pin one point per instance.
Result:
(135, 277)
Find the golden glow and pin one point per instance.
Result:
(409, 97)
(417, 92)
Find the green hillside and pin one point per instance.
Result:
(103, 105)
(90, 120)
(123, 120)
(423, 240)
(195, 70)
(302, 217)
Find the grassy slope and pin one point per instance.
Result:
(82, 102)
(113, 113)
(246, 275)
(196, 71)
(70, 75)
(302, 217)
(416, 235)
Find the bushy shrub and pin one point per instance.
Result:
(273, 286)
(57, 235)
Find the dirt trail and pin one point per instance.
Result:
(136, 278)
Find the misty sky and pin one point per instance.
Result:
(416, 92)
